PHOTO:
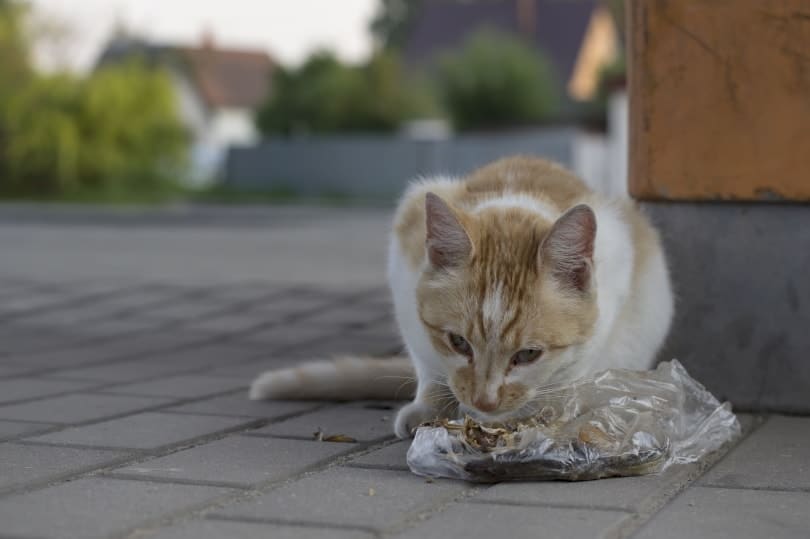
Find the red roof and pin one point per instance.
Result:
(229, 77)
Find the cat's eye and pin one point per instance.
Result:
(460, 345)
(527, 356)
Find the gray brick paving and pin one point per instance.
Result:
(515, 522)
(120, 372)
(742, 514)
(390, 457)
(210, 355)
(379, 499)
(96, 507)
(238, 405)
(621, 493)
(17, 429)
(78, 408)
(25, 464)
(119, 426)
(223, 529)
(180, 387)
(774, 456)
(29, 388)
(353, 420)
(247, 371)
(142, 431)
(239, 460)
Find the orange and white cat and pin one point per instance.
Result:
(507, 285)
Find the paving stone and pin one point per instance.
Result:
(97, 507)
(188, 309)
(78, 407)
(476, 520)
(136, 346)
(142, 431)
(213, 354)
(345, 343)
(350, 496)
(16, 429)
(227, 323)
(9, 370)
(623, 493)
(775, 456)
(23, 305)
(29, 388)
(239, 460)
(24, 464)
(293, 305)
(224, 529)
(21, 341)
(360, 423)
(390, 457)
(121, 371)
(284, 336)
(119, 327)
(244, 293)
(249, 370)
(180, 387)
(240, 406)
(356, 315)
(714, 513)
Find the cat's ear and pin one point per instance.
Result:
(447, 243)
(567, 250)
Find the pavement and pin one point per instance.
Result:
(128, 339)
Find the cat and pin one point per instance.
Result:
(506, 284)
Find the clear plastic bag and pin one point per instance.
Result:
(618, 423)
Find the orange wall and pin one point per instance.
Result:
(719, 99)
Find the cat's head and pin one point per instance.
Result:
(507, 299)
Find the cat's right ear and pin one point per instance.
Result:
(568, 247)
(447, 243)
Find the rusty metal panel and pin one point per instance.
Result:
(719, 99)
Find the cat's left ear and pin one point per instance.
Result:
(567, 250)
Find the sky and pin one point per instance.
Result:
(287, 29)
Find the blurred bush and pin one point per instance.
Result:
(496, 80)
(327, 96)
(114, 134)
(15, 69)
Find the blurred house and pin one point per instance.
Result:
(579, 37)
(218, 91)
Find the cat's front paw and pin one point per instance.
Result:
(411, 416)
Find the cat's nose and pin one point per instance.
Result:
(486, 404)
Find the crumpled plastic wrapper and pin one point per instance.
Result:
(618, 423)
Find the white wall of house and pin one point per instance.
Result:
(212, 131)
(601, 160)
(618, 142)
(232, 126)
(192, 109)
(589, 160)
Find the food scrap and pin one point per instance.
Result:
(339, 438)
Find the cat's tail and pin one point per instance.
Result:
(344, 378)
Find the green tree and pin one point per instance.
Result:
(326, 96)
(392, 22)
(115, 133)
(495, 81)
(15, 68)
(311, 98)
